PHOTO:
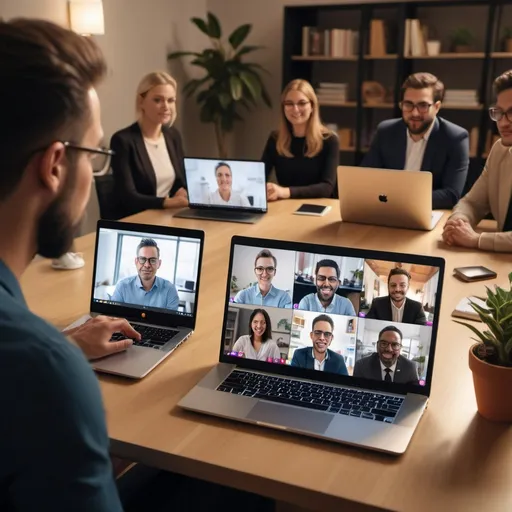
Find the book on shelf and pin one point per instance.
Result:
(329, 42)
(346, 137)
(416, 35)
(332, 92)
(377, 38)
(461, 97)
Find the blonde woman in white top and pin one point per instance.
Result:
(258, 344)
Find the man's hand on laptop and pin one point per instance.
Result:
(93, 337)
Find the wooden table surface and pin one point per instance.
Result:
(456, 459)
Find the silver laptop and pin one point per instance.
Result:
(384, 197)
(312, 358)
(150, 276)
(225, 190)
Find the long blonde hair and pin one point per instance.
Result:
(316, 132)
(147, 83)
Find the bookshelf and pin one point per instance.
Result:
(360, 28)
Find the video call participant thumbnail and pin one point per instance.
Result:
(325, 300)
(263, 293)
(224, 195)
(387, 363)
(396, 307)
(146, 289)
(258, 344)
(319, 357)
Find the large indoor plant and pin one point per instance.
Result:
(490, 359)
(229, 83)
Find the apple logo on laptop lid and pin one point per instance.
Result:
(383, 198)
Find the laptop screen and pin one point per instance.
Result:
(332, 312)
(227, 184)
(146, 270)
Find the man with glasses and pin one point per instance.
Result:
(320, 357)
(493, 189)
(396, 307)
(263, 293)
(325, 300)
(423, 141)
(146, 289)
(387, 363)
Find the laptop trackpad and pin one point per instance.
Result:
(292, 417)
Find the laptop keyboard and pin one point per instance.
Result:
(321, 397)
(151, 337)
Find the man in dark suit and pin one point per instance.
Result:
(387, 364)
(421, 141)
(396, 307)
(319, 357)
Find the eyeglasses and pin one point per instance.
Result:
(496, 114)
(331, 279)
(326, 334)
(300, 104)
(385, 344)
(100, 157)
(268, 270)
(142, 260)
(408, 106)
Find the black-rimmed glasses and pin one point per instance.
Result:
(408, 106)
(100, 157)
(385, 344)
(326, 334)
(496, 114)
(142, 261)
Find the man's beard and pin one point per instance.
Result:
(425, 125)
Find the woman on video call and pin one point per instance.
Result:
(224, 195)
(303, 152)
(258, 345)
(148, 160)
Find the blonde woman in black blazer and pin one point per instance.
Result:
(148, 161)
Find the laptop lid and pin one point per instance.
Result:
(327, 314)
(234, 185)
(385, 197)
(147, 273)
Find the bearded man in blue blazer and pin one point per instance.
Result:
(422, 141)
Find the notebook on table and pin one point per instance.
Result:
(384, 197)
(298, 353)
(150, 276)
(225, 190)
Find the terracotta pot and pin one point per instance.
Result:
(462, 48)
(493, 388)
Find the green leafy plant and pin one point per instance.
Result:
(496, 341)
(234, 283)
(462, 37)
(358, 274)
(230, 84)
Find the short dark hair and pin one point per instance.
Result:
(391, 328)
(267, 335)
(223, 164)
(328, 263)
(51, 69)
(148, 242)
(323, 318)
(398, 272)
(265, 253)
(424, 81)
(502, 83)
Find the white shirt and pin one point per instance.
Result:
(319, 365)
(235, 199)
(267, 349)
(397, 313)
(384, 372)
(416, 151)
(162, 165)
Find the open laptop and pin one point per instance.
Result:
(384, 197)
(166, 314)
(347, 401)
(226, 190)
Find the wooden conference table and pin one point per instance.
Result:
(456, 459)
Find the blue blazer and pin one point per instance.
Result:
(303, 358)
(446, 156)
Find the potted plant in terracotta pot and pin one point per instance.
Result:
(490, 359)
(462, 40)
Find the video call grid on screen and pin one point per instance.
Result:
(177, 269)
(293, 307)
(246, 185)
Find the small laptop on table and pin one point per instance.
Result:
(384, 197)
(165, 316)
(279, 380)
(225, 190)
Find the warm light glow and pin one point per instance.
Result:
(86, 17)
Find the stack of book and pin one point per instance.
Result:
(332, 92)
(416, 35)
(335, 42)
(461, 97)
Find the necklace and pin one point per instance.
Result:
(154, 143)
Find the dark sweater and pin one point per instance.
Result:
(306, 177)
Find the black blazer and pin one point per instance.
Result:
(335, 363)
(134, 176)
(368, 367)
(413, 311)
(446, 156)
